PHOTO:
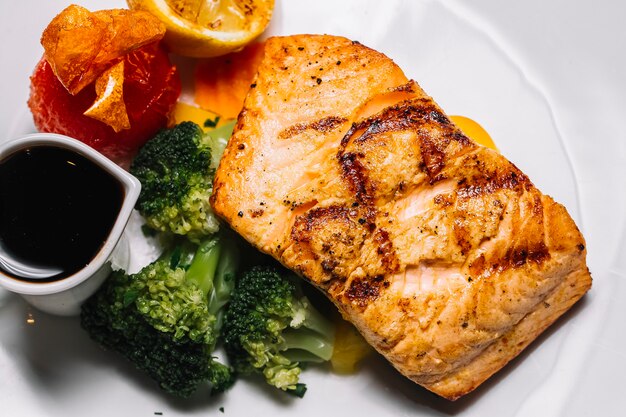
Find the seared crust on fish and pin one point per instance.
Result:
(442, 253)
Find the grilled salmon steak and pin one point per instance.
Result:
(441, 252)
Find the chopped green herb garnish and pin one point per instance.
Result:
(211, 123)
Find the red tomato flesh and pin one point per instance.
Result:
(151, 88)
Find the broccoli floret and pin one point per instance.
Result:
(161, 318)
(176, 170)
(271, 327)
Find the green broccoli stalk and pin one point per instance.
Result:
(217, 140)
(224, 283)
(271, 327)
(161, 320)
(176, 170)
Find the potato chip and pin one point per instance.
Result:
(109, 106)
(80, 45)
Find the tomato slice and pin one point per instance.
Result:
(151, 88)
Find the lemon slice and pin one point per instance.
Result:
(474, 131)
(208, 28)
(350, 348)
(184, 112)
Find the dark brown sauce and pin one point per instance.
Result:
(57, 208)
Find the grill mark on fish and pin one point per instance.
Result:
(518, 254)
(328, 265)
(488, 185)
(419, 115)
(405, 88)
(323, 125)
(514, 258)
(478, 266)
(433, 159)
(355, 175)
(408, 114)
(489, 182)
(304, 224)
(386, 251)
(462, 235)
(346, 234)
(362, 291)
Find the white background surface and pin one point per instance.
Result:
(545, 78)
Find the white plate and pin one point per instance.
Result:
(542, 79)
